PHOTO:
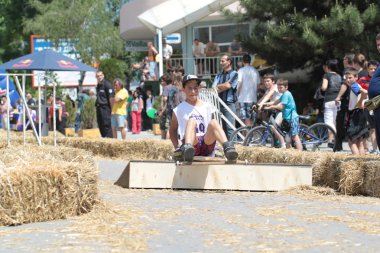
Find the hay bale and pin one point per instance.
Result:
(327, 171)
(274, 155)
(371, 186)
(123, 149)
(46, 183)
(360, 176)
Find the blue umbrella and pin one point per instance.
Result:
(13, 95)
(46, 60)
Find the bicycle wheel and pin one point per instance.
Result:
(259, 136)
(238, 136)
(317, 137)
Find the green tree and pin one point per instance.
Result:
(300, 33)
(113, 68)
(13, 41)
(88, 24)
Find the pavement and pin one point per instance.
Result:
(153, 220)
(165, 221)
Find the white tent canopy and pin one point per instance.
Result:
(182, 13)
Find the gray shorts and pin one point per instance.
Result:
(118, 121)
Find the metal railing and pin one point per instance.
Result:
(204, 66)
(21, 89)
(211, 96)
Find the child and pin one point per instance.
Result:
(192, 120)
(271, 93)
(287, 105)
(357, 130)
(364, 83)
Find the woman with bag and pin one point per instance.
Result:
(331, 83)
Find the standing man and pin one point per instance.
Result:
(152, 52)
(104, 102)
(374, 91)
(29, 100)
(167, 52)
(119, 109)
(212, 51)
(199, 55)
(225, 83)
(248, 80)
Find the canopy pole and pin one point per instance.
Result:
(161, 61)
(24, 108)
(39, 111)
(8, 118)
(27, 111)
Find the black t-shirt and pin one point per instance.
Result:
(104, 91)
(333, 87)
(31, 102)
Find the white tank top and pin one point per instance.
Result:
(276, 94)
(202, 114)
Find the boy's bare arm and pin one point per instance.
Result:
(265, 98)
(173, 131)
(363, 95)
(342, 90)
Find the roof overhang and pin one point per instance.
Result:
(182, 13)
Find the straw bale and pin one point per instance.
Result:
(46, 183)
(274, 155)
(360, 176)
(124, 149)
(326, 169)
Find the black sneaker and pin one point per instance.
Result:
(330, 145)
(188, 152)
(230, 151)
(178, 156)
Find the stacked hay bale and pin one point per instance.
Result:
(45, 183)
(342, 172)
(360, 176)
(121, 149)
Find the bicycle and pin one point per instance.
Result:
(312, 138)
(239, 135)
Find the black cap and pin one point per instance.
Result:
(187, 78)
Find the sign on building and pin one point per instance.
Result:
(174, 38)
(63, 78)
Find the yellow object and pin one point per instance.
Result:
(258, 61)
(156, 129)
(120, 107)
(89, 133)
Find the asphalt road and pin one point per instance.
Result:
(138, 220)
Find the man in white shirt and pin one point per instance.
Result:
(167, 52)
(199, 55)
(248, 80)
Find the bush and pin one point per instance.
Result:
(113, 68)
(88, 114)
(70, 109)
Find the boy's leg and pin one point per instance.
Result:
(361, 147)
(279, 137)
(188, 150)
(297, 141)
(353, 146)
(294, 130)
(216, 133)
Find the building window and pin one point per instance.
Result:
(221, 34)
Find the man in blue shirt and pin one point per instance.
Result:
(226, 84)
(374, 91)
(287, 105)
